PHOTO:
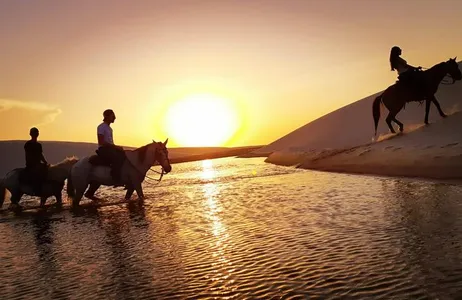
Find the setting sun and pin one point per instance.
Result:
(201, 120)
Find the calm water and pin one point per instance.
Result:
(243, 229)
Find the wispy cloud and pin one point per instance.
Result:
(50, 112)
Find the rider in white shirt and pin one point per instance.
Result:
(111, 153)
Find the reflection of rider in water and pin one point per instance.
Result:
(36, 164)
(113, 154)
(406, 72)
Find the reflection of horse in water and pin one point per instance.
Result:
(48, 267)
(397, 95)
(53, 185)
(137, 163)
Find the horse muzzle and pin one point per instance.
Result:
(167, 169)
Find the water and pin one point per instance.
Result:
(242, 229)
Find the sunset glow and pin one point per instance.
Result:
(201, 120)
(275, 65)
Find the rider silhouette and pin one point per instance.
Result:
(36, 164)
(112, 154)
(407, 74)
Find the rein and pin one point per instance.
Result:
(150, 169)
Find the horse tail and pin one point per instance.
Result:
(2, 192)
(376, 111)
(70, 186)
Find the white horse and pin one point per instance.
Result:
(53, 185)
(133, 171)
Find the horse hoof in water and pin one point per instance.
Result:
(444, 116)
(15, 207)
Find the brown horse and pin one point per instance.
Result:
(397, 95)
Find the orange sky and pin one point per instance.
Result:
(281, 63)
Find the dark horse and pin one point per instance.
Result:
(397, 95)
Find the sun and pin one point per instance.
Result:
(201, 120)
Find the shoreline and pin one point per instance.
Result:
(431, 152)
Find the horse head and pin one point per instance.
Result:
(161, 155)
(157, 151)
(453, 69)
(60, 171)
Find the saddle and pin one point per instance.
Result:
(414, 81)
(30, 178)
(97, 160)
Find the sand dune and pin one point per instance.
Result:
(342, 141)
(353, 125)
(12, 152)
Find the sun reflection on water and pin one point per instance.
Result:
(208, 172)
(222, 266)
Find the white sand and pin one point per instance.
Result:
(342, 141)
(433, 151)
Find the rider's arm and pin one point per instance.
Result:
(41, 155)
(44, 160)
(406, 64)
(102, 142)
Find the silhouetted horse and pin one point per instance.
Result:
(397, 95)
(138, 162)
(53, 185)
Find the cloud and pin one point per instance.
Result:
(50, 112)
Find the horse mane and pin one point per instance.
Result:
(142, 152)
(66, 161)
(439, 65)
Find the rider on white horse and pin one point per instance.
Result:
(112, 154)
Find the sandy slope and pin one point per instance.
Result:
(353, 124)
(433, 151)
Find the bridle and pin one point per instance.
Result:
(445, 81)
(162, 172)
(161, 168)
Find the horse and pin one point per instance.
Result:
(397, 95)
(53, 186)
(133, 171)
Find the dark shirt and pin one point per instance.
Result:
(33, 153)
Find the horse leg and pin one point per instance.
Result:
(437, 104)
(43, 200)
(139, 191)
(78, 196)
(90, 193)
(428, 101)
(59, 199)
(15, 198)
(390, 117)
(401, 125)
(129, 192)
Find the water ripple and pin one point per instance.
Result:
(240, 229)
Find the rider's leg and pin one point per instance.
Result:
(116, 163)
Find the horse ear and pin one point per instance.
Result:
(153, 141)
(455, 58)
(166, 141)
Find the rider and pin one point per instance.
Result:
(406, 73)
(111, 153)
(36, 164)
